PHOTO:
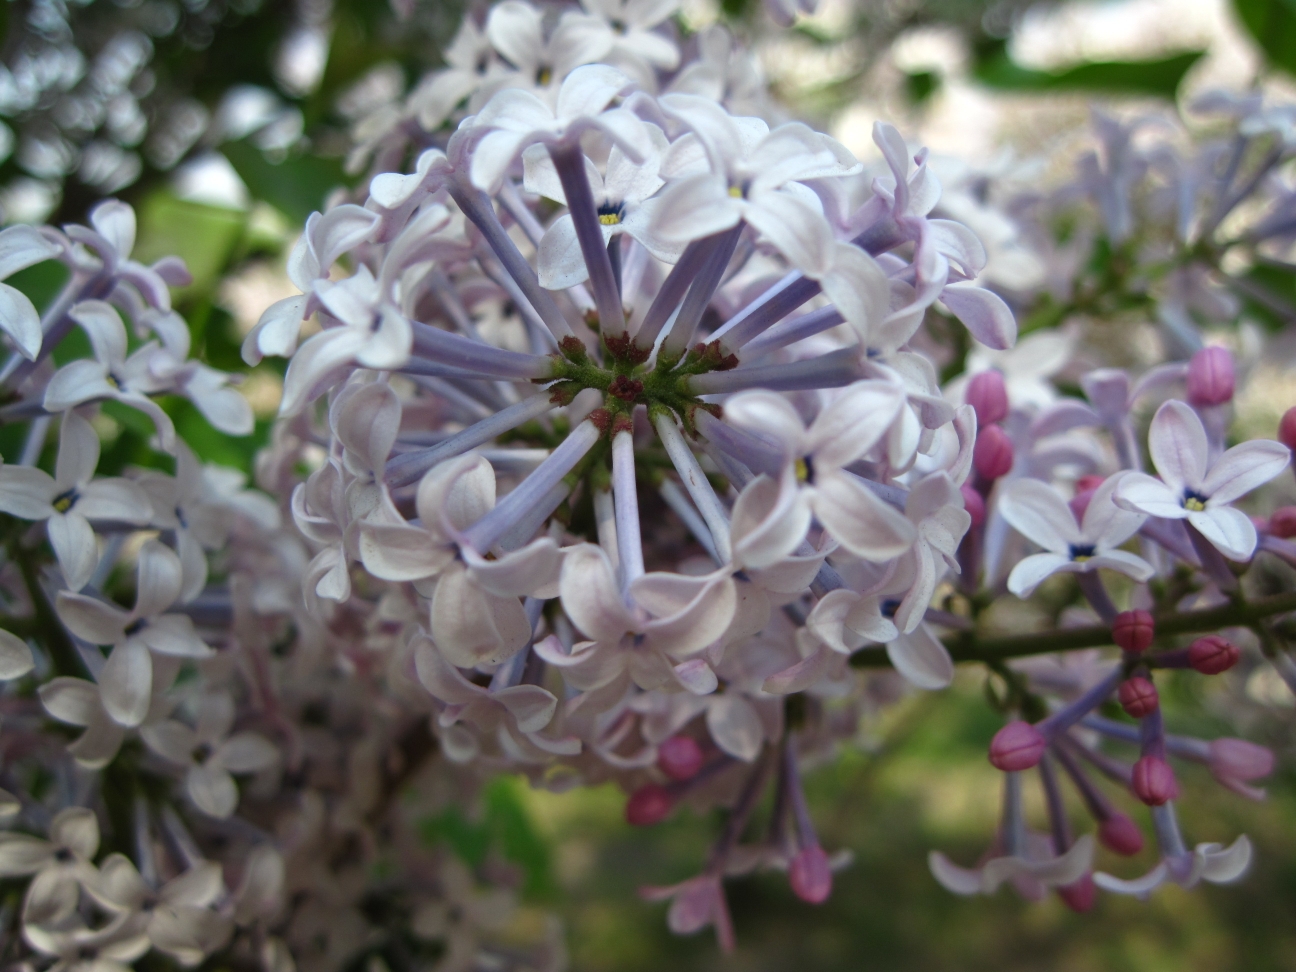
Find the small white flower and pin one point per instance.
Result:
(209, 753)
(68, 501)
(1036, 511)
(126, 681)
(1193, 488)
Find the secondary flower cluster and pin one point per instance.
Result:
(613, 447)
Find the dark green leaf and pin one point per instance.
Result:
(921, 85)
(1160, 77)
(296, 186)
(1273, 25)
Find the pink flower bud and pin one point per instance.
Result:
(810, 875)
(1138, 697)
(1283, 522)
(993, 453)
(1212, 654)
(1240, 760)
(1120, 834)
(1153, 781)
(1087, 484)
(1081, 896)
(648, 805)
(1133, 631)
(680, 757)
(974, 504)
(1080, 502)
(1287, 429)
(1210, 377)
(1017, 746)
(988, 397)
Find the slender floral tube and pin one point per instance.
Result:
(791, 331)
(605, 524)
(700, 293)
(1067, 717)
(625, 491)
(569, 160)
(673, 289)
(521, 532)
(533, 490)
(695, 481)
(681, 506)
(457, 351)
(407, 468)
(476, 205)
(832, 370)
(785, 296)
(752, 451)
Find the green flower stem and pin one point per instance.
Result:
(968, 647)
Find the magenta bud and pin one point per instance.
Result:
(1133, 631)
(1120, 834)
(1240, 760)
(993, 453)
(1081, 895)
(1210, 377)
(648, 805)
(988, 397)
(810, 875)
(1087, 484)
(680, 757)
(1079, 503)
(1017, 746)
(1283, 522)
(974, 503)
(1138, 697)
(1153, 781)
(1287, 428)
(1212, 654)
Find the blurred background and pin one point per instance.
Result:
(226, 122)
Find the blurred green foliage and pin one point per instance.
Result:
(924, 784)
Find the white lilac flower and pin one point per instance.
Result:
(57, 866)
(814, 475)
(210, 753)
(514, 119)
(516, 31)
(651, 633)
(178, 918)
(110, 374)
(22, 247)
(1195, 489)
(69, 500)
(1036, 511)
(1213, 863)
(126, 681)
(625, 194)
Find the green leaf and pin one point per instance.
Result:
(203, 236)
(921, 85)
(1273, 25)
(1159, 78)
(296, 186)
(505, 827)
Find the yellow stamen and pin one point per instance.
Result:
(802, 471)
(1081, 558)
(609, 219)
(1193, 505)
(736, 191)
(63, 504)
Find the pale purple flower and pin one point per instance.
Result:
(1036, 511)
(1195, 489)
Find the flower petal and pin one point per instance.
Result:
(1036, 511)
(1177, 444)
(921, 659)
(126, 683)
(1230, 531)
(1243, 468)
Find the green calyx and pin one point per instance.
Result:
(626, 381)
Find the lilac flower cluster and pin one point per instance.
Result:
(612, 447)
